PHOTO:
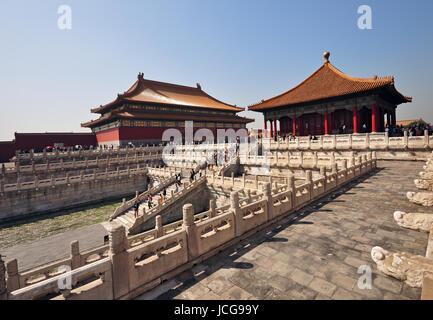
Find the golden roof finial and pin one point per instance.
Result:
(375, 77)
(326, 56)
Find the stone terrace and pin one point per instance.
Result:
(316, 253)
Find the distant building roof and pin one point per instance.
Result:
(150, 91)
(405, 123)
(328, 82)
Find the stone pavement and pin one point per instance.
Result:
(315, 253)
(55, 247)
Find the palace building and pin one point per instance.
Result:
(329, 99)
(141, 114)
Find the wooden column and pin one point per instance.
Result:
(326, 123)
(373, 118)
(355, 120)
(264, 133)
(393, 119)
(272, 131)
(275, 127)
(294, 125)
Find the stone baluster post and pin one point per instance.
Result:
(288, 157)
(291, 186)
(3, 288)
(243, 180)
(159, 230)
(315, 159)
(119, 260)
(18, 182)
(386, 140)
(350, 142)
(233, 179)
(332, 158)
(374, 158)
(301, 157)
(334, 142)
(13, 281)
(2, 186)
(117, 173)
(67, 178)
(322, 171)
(321, 142)
(53, 181)
(234, 206)
(74, 165)
(426, 139)
(309, 180)
(33, 166)
(267, 194)
(18, 167)
(344, 167)
(405, 140)
(212, 208)
(3, 170)
(44, 154)
(256, 178)
(129, 171)
(75, 255)
(335, 172)
(190, 228)
(94, 174)
(367, 141)
(36, 181)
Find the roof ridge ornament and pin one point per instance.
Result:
(326, 55)
(140, 76)
(198, 86)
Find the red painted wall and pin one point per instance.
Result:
(7, 150)
(109, 135)
(38, 141)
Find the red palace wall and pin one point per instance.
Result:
(38, 141)
(126, 134)
(7, 150)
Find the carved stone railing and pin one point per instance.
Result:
(49, 167)
(93, 281)
(368, 141)
(146, 260)
(68, 180)
(57, 155)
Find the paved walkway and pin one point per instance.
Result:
(315, 255)
(55, 247)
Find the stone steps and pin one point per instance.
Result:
(127, 219)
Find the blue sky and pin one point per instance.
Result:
(239, 51)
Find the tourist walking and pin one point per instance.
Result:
(136, 206)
